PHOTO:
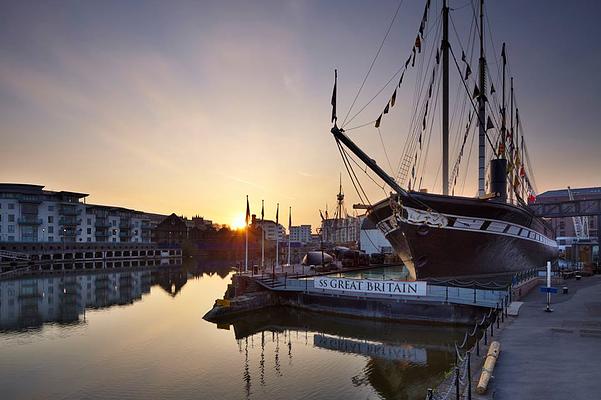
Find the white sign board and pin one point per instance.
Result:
(367, 286)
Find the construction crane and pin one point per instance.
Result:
(580, 223)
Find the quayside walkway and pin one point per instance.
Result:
(553, 355)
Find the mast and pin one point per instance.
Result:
(289, 230)
(445, 98)
(482, 108)
(512, 146)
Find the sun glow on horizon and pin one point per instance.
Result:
(239, 221)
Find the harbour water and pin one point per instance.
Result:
(140, 335)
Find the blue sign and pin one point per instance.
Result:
(545, 289)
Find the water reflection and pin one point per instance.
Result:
(402, 361)
(29, 303)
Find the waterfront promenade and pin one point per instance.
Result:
(552, 355)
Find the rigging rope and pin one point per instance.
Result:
(373, 61)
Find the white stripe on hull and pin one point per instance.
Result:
(461, 223)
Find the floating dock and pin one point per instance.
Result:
(447, 303)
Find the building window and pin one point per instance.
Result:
(51, 229)
(50, 208)
(114, 239)
(89, 230)
(50, 219)
(11, 206)
(11, 217)
(89, 221)
(89, 239)
(11, 238)
(11, 229)
(51, 238)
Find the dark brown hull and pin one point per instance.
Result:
(440, 236)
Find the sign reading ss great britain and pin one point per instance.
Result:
(371, 286)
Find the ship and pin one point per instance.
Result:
(445, 236)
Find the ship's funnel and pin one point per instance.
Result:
(498, 178)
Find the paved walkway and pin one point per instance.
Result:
(553, 355)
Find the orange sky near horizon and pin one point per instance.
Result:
(189, 109)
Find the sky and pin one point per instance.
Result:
(188, 107)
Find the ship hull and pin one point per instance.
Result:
(448, 237)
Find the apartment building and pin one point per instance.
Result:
(28, 213)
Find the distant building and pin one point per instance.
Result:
(272, 232)
(372, 240)
(28, 213)
(300, 234)
(564, 227)
(172, 230)
(340, 230)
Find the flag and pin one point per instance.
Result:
(531, 197)
(492, 88)
(386, 109)
(393, 99)
(489, 125)
(503, 54)
(418, 44)
(468, 72)
(401, 80)
(289, 218)
(321, 215)
(334, 118)
(378, 121)
(277, 213)
(247, 211)
(262, 210)
(476, 92)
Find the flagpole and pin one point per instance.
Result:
(262, 235)
(289, 226)
(246, 231)
(277, 236)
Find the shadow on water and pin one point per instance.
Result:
(402, 360)
(31, 302)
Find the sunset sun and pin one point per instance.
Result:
(238, 222)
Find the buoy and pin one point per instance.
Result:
(489, 366)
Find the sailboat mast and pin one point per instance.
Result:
(482, 108)
(445, 98)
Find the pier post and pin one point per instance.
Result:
(485, 337)
(457, 382)
(474, 293)
(446, 298)
(492, 328)
(469, 376)
(497, 315)
(477, 346)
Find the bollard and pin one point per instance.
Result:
(474, 293)
(477, 346)
(446, 298)
(485, 337)
(489, 365)
(492, 328)
(497, 317)
(430, 394)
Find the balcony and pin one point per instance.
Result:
(29, 220)
(69, 221)
(101, 223)
(69, 210)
